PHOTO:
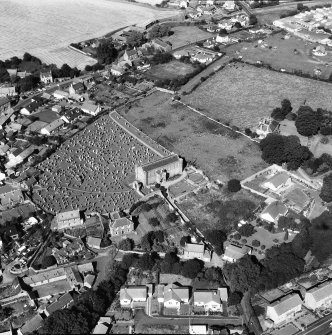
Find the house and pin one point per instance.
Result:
(31, 325)
(51, 127)
(131, 296)
(319, 296)
(161, 45)
(46, 77)
(274, 211)
(89, 279)
(202, 58)
(159, 170)
(4, 104)
(267, 126)
(58, 94)
(296, 199)
(284, 309)
(234, 252)
(10, 196)
(181, 53)
(30, 108)
(6, 116)
(121, 227)
(319, 51)
(68, 219)
(193, 250)
(279, 180)
(229, 5)
(117, 70)
(90, 108)
(130, 55)
(65, 301)
(93, 242)
(76, 88)
(20, 155)
(210, 300)
(223, 38)
(172, 296)
(198, 329)
(8, 91)
(103, 325)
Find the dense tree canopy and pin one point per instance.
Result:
(307, 122)
(326, 191)
(135, 39)
(247, 230)
(106, 53)
(217, 239)
(234, 185)
(159, 31)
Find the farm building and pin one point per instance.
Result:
(160, 170)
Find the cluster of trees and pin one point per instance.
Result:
(280, 113)
(153, 241)
(234, 185)
(135, 39)
(106, 53)
(88, 306)
(261, 3)
(326, 191)
(158, 31)
(161, 58)
(217, 239)
(246, 230)
(318, 165)
(278, 149)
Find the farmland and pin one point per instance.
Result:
(291, 54)
(171, 70)
(46, 28)
(242, 94)
(220, 153)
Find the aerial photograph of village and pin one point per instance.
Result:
(166, 167)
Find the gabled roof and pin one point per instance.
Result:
(193, 247)
(297, 198)
(4, 101)
(54, 125)
(121, 222)
(321, 292)
(175, 292)
(62, 302)
(235, 252)
(160, 163)
(134, 292)
(89, 106)
(275, 209)
(207, 296)
(286, 304)
(68, 215)
(32, 324)
(278, 179)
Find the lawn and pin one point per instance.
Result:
(171, 70)
(219, 152)
(242, 94)
(185, 35)
(279, 53)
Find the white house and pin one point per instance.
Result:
(210, 300)
(198, 329)
(319, 296)
(267, 126)
(223, 38)
(51, 127)
(234, 252)
(117, 70)
(274, 211)
(193, 250)
(58, 94)
(319, 51)
(46, 77)
(131, 295)
(91, 109)
(229, 5)
(284, 309)
(278, 181)
(173, 295)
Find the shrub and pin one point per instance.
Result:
(127, 244)
(247, 230)
(234, 185)
(263, 247)
(244, 241)
(237, 237)
(154, 222)
(256, 243)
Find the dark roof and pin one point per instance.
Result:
(160, 163)
(46, 115)
(4, 101)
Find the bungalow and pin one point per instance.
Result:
(121, 227)
(234, 252)
(273, 212)
(91, 109)
(161, 45)
(276, 182)
(181, 53)
(172, 296)
(210, 300)
(284, 309)
(131, 296)
(319, 296)
(46, 77)
(193, 250)
(51, 127)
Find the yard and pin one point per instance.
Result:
(291, 54)
(171, 70)
(219, 152)
(242, 94)
(184, 35)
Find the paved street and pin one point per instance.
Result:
(321, 327)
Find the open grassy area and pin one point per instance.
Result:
(242, 94)
(184, 35)
(220, 153)
(171, 70)
(290, 54)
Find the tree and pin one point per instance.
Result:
(106, 53)
(234, 185)
(192, 268)
(252, 20)
(159, 31)
(135, 39)
(146, 261)
(154, 222)
(247, 230)
(326, 191)
(126, 244)
(286, 106)
(172, 217)
(48, 261)
(307, 122)
(234, 298)
(278, 114)
(214, 274)
(161, 58)
(184, 240)
(65, 70)
(167, 265)
(147, 241)
(217, 239)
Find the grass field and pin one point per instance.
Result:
(242, 94)
(220, 153)
(279, 53)
(46, 28)
(185, 35)
(170, 70)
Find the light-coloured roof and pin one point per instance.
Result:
(278, 179)
(54, 125)
(235, 252)
(68, 215)
(297, 197)
(286, 304)
(93, 241)
(61, 93)
(175, 292)
(134, 292)
(207, 296)
(275, 209)
(89, 279)
(121, 222)
(32, 324)
(59, 272)
(89, 107)
(100, 329)
(321, 292)
(86, 267)
(193, 247)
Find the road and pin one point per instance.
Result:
(321, 327)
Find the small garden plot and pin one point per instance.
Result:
(171, 70)
(242, 94)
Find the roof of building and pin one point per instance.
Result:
(297, 197)
(278, 179)
(6, 115)
(53, 288)
(46, 73)
(176, 292)
(39, 277)
(46, 115)
(89, 106)
(207, 296)
(275, 209)
(160, 163)
(37, 125)
(89, 279)
(100, 329)
(194, 247)
(321, 291)
(286, 303)
(62, 302)
(32, 324)
(61, 93)
(7, 188)
(161, 43)
(68, 215)
(133, 292)
(94, 241)
(235, 252)
(54, 125)
(86, 267)
(7, 90)
(4, 101)
(132, 52)
(121, 222)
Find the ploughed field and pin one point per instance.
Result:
(242, 94)
(45, 28)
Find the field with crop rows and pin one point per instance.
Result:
(46, 28)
